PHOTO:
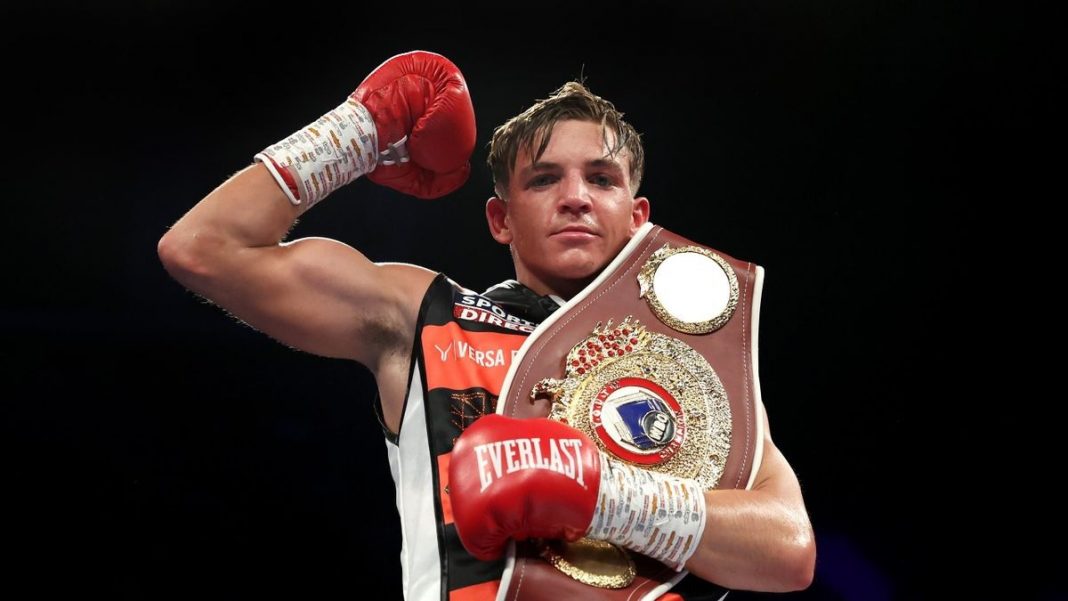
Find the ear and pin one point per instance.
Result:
(639, 214)
(497, 218)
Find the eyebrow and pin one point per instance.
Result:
(542, 166)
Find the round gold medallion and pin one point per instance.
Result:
(646, 398)
(691, 289)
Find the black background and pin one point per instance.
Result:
(161, 450)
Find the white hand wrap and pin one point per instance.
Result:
(654, 514)
(325, 155)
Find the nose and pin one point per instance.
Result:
(575, 194)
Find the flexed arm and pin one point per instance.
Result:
(410, 126)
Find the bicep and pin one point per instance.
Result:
(325, 297)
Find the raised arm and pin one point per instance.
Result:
(315, 294)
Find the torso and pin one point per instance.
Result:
(462, 346)
(392, 377)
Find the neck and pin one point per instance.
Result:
(563, 288)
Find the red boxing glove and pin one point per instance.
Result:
(511, 478)
(421, 95)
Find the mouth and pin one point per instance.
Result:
(574, 234)
(575, 230)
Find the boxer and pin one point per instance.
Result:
(565, 203)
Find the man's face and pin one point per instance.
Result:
(569, 214)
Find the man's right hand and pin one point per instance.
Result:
(409, 125)
(319, 295)
(421, 96)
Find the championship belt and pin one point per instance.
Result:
(655, 361)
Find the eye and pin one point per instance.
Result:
(602, 180)
(540, 181)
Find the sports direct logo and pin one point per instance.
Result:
(476, 308)
(505, 457)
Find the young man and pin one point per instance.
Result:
(566, 173)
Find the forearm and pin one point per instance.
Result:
(249, 210)
(754, 540)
